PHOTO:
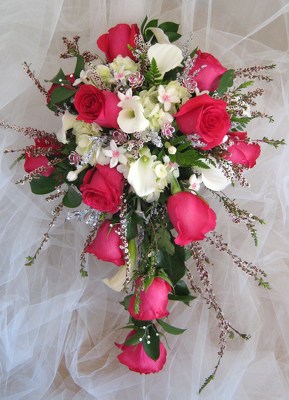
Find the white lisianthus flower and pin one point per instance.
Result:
(131, 118)
(68, 121)
(167, 56)
(167, 96)
(116, 154)
(141, 175)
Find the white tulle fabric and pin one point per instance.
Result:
(58, 329)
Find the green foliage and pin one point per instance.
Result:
(170, 329)
(207, 381)
(125, 301)
(72, 199)
(169, 28)
(264, 284)
(59, 77)
(43, 184)
(153, 75)
(181, 293)
(273, 142)
(226, 81)
(165, 240)
(79, 65)
(190, 158)
(152, 346)
(132, 221)
(173, 265)
(61, 94)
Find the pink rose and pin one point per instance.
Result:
(95, 105)
(208, 78)
(32, 163)
(136, 359)
(106, 245)
(206, 117)
(116, 41)
(153, 300)
(191, 217)
(242, 152)
(102, 187)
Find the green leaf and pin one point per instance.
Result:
(164, 239)
(72, 199)
(152, 348)
(179, 139)
(169, 26)
(143, 25)
(190, 158)
(193, 52)
(43, 184)
(79, 65)
(147, 34)
(132, 220)
(173, 36)
(181, 293)
(173, 265)
(153, 75)
(226, 81)
(184, 146)
(61, 93)
(148, 281)
(125, 302)
(135, 339)
(170, 329)
(60, 75)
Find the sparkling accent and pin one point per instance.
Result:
(89, 216)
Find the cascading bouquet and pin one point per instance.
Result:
(146, 135)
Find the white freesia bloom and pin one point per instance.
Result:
(141, 175)
(116, 154)
(167, 56)
(131, 118)
(68, 121)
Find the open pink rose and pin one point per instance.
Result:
(106, 245)
(242, 152)
(32, 163)
(136, 359)
(102, 187)
(116, 41)
(153, 300)
(95, 105)
(205, 116)
(208, 77)
(191, 217)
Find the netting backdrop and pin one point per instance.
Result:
(58, 329)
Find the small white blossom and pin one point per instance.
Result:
(195, 183)
(167, 96)
(116, 154)
(83, 78)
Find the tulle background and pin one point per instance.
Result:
(58, 329)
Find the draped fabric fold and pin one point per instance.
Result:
(57, 329)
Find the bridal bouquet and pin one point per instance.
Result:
(149, 136)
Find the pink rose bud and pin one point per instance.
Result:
(191, 217)
(136, 359)
(207, 71)
(116, 41)
(106, 245)
(242, 152)
(153, 301)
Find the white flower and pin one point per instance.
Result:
(213, 178)
(167, 96)
(83, 77)
(127, 96)
(68, 121)
(172, 150)
(167, 56)
(131, 118)
(195, 183)
(141, 175)
(72, 175)
(160, 170)
(116, 154)
(117, 281)
(160, 35)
